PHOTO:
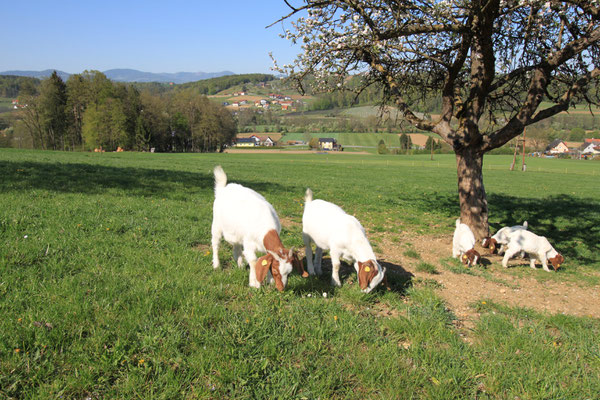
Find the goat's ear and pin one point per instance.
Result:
(262, 267)
(277, 276)
(366, 272)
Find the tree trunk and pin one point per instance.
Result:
(471, 193)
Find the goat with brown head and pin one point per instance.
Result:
(265, 264)
(556, 261)
(490, 243)
(470, 258)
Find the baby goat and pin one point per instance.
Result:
(500, 239)
(537, 247)
(249, 222)
(463, 244)
(330, 228)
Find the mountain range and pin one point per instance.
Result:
(130, 75)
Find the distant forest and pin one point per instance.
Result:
(89, 111)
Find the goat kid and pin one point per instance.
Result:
(537, 247)
(463, 244)
(330, 228)
(249, 222)
(499, 241)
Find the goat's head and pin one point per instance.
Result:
(470, 258)
(556, 261)
(370, 274)
(279, 265)
(490, 243)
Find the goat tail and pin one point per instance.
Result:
(220, 177)
(457, 222)
(525, 225)
(308, 196)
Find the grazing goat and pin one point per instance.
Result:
(463, 244)
(249, 222)
(537, 247)
(330, 228)
(500, 239)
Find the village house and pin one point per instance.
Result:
(328, 144)
(286, 105)
(558, 146)
(591, 147)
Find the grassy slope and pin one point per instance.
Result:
(106, 287)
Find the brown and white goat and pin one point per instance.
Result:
(249, 222)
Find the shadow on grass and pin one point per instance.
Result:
(398, 278)
(571, 224)
(97, 179)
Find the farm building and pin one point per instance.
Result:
(245, 142)
(255, 140)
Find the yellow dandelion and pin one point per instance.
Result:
(247, 320)
(207, 253)
(335, 318)
(17, 350)
(141, 361)
(108, 229)
(483, 302)
(20, 319)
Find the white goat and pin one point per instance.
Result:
(463, 244)
(249, 222)
(537, 247)
(330, 228)
(500, 239)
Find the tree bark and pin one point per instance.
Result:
(471, 192)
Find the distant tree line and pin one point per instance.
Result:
(90, 111)
(12, 86)
(216, 85)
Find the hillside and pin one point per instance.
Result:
(129, 75)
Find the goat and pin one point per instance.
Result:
(500, 239)
(249, 222)
(330, 228)
(463, 244)
(537, 247)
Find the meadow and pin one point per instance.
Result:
(107, 288)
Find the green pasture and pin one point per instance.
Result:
(367, 140)
(107, 288)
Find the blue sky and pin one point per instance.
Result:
(153, 36)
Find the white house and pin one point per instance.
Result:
(590, 148)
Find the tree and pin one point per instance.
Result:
(382, 148)
(405, 143)
(431, 144)
(313, 143)
(491, 62)
(52, 103)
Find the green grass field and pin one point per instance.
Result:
(107, 288)
(368, 140)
